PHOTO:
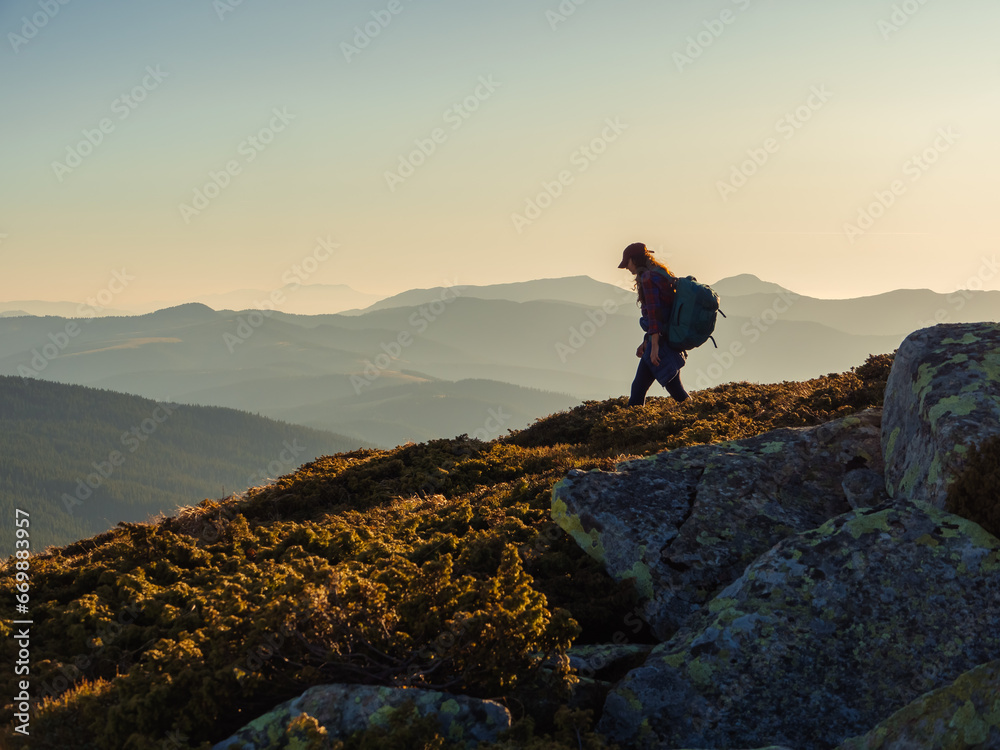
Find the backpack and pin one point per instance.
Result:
(692, 318)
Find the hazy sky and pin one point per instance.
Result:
(471, 142)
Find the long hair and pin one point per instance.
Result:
(644, 263)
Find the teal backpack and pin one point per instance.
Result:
(692, 318)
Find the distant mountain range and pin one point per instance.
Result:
(440, 362)
(302, 299)
(82, 459)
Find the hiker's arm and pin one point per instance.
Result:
(654, 354)
(651, 296)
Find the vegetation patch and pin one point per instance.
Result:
(434, 565)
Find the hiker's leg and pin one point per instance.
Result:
(643, 379)
(668, 374)
(676, 389)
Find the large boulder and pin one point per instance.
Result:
(942, 397)
(341, 710)
(686, 523)
(964, 714)
(822, 637)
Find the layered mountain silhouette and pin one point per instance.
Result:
(439, 362)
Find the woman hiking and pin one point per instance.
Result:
(657, 361)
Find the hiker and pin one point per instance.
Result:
(657, 361)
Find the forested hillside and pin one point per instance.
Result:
(80, 460)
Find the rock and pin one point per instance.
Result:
(341, 710)
(822, 637)
(686, 523)
(943, 396)
(963, 714)
(598, 660)
(864, 488)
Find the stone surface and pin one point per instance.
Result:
(822, 637)
(943, 395)
(598, 659)
(964, 714)
(344, 709)
(686, 523)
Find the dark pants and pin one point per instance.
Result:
(644, 378)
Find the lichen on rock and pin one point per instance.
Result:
(964, 714)
(822, 637)
(685, 523)
(942, 396)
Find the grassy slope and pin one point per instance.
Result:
(434, 564)
(54, 437)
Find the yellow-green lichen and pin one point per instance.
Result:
(909, 480)
(643, 578)
(991, 365)
(959, 406)
(974, 730)
(774, 446)
(589, 541)
(866, 523)
(968, 338)
(925, 376)
(700, 672)
(891, 445)
(674, 660)
(717, 605)
(934, 472)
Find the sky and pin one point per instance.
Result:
(167, 150)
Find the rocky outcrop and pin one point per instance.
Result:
(686, 523)
(822, 637)
(963, 714)
(943, 396)
(340, 710)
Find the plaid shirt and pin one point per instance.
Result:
(658, 299)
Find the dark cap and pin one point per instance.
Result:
(632, 252)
